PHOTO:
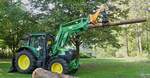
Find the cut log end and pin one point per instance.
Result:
(42, 73)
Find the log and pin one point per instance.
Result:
(123, 22)
(42, 73)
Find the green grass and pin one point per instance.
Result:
(4, 67)
(96, 68)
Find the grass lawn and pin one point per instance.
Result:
(96, 68)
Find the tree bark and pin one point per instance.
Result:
(76, 41)
(77, 44)
(123, 22)
(127, 42)
(139, 42)
(147, 39)
(42, 73)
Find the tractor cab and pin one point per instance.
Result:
(38, 45)
(42, 42)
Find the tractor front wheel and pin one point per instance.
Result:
(25, 62)
(58, 66)
(73, 71)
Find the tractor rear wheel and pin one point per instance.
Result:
(25, 62)
(58, 66)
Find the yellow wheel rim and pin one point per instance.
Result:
(49, 42)
(23, 62)
(57, 68)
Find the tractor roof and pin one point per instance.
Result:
(36, 34)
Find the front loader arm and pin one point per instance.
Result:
(68, 30)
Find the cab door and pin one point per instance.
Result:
(38, 42)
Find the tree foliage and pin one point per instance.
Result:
(68, 10)
(14, 22)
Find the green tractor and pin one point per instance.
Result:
(36, 51)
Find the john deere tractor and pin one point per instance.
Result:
(37, 51)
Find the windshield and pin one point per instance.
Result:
(24, 42)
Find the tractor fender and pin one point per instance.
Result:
(30, 49)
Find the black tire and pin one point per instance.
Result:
(32, 59)
(73, 71)
(62, 62)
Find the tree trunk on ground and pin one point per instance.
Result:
(42, 73)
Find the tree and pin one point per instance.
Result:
(14, 22)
